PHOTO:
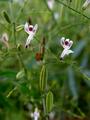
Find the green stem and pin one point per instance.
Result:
(78, 12)
(21, 9)
(44, 107)
(61, 13)
(51, 11)
(9, 94)
(10, 8)
(22, 64)
(69, 26)
(14, 32)
(18, 52)
(76, 4)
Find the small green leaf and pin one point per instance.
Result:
(19, 28)
(43, 79)
(6, 16)
(49, 101)
(20, 74)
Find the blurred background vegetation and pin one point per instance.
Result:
(22, 86)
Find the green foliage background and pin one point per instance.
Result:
(68, 80)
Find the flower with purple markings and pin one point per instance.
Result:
(66, 44)
(36, 114)
(31, 31)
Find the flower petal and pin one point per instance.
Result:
(62, 41)
(35, 28)
(69, 52)
(70, 43)
(67, 40)
(26, 28)
(64, 52)
(28, 41)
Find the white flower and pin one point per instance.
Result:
(31, 30)
(86, 4)
(56, 15)
(50, 4)
(52, 115)
(36, 114)
(4, 39)
(66, 44)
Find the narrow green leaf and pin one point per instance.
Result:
(6, 16)
(43, 79)
(19, 28)
(49, 101)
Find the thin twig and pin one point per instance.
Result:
(18, 52)
(78, 12)
(14, 32)
(9, 94)
(44, 107)
(21, 9)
